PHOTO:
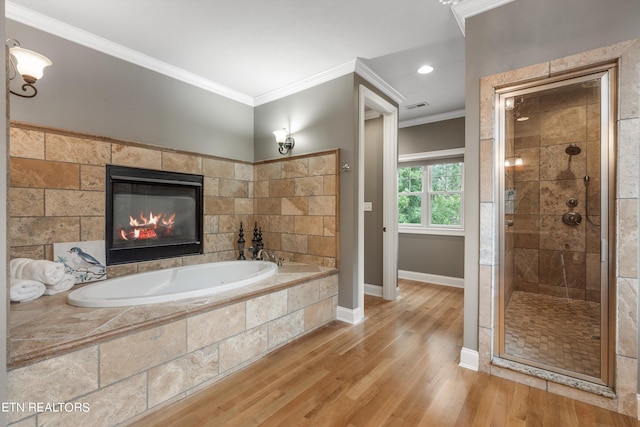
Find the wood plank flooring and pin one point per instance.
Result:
(397, 368)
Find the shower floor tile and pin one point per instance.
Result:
(560, 332)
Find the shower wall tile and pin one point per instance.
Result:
(563, 98)
(485, 282)
(593, 234)
(527, 197)
(593, 120)
(554, 196)
(530, 170)
(486, 170)
(627, 228)
(556, 164)
(591, 57)
(555, 235)
(526, 265)
(487, 226)
(593, 272)
(562, 292)
(627, 318)
(628, 155)
(563, 126)
(526, 231)
(555, 266)
(627, 385)
(630, 72)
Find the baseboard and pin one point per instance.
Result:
(469, 359)
(349, 315)
(373, 290)
(431, 278)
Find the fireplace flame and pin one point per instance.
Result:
(148, 226)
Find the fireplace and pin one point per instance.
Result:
(152, 214)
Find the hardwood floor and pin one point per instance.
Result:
(397, 368)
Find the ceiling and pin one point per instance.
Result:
(255, 49)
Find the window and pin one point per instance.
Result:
(430, 193)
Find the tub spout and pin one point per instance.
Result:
(271, 255)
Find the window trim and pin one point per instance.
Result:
(431, 156)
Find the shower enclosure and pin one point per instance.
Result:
(557, 149)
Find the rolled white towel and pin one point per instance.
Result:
(22, 290)
(16, 265)
(67, 282)
(47, 272)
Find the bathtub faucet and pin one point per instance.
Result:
(271, 255)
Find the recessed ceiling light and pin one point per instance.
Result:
(425, 69)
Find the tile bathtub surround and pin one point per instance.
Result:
(170, 349)
(57, 190)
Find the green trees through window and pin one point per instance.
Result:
(431, 195)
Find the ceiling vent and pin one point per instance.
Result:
(417, 105)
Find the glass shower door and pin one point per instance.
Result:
(554, 217)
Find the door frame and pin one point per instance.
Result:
(389, 112)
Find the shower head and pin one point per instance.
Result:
(572, 150)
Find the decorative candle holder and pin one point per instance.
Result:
(241, 243)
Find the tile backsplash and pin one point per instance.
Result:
(57, 194)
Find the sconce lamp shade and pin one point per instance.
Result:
(284, 140)
(29, 64)
(281, 135)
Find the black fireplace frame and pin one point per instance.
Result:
(122, 174)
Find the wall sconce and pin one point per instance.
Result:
(284, 140)
(29, 65)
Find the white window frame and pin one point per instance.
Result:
(424, 228)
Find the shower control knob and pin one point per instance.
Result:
(572, 202)
(572, 218)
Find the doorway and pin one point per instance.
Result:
(389, 113)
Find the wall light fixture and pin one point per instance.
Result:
(284, 140)
(29, 64)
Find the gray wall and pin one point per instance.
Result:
(422, 253)
(320, 118)
(522, 33)
(88, 91)
(4, 259)
(373, 175)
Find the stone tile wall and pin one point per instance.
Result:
(296, 204)
(544, 251)
(125, 377)
(57, 195)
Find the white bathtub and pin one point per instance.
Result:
(171, 284)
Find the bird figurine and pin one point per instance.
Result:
(82, 258)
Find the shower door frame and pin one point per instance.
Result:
(608, 114)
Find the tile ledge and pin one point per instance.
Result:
(565, 380)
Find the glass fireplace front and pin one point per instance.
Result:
(152, 214)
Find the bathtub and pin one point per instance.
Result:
(172, 284)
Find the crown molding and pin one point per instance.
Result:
(432, 119)
(58, 28)
(353, 66)
(325, 76)
(369, 75)
(469, 8)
